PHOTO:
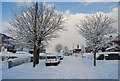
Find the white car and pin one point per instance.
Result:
(61, 56)
(42, 56)
(22, 54)
(52, 60)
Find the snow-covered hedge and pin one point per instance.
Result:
(18, 61)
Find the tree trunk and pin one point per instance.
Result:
(34, 56)
(35, 61)
(38, 50)
(95, 57)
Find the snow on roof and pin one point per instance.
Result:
(112, 47)
(51, 55)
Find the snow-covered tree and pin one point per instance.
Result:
(58, 48)
(95, 28)
(35, 25)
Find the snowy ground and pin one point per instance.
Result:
(0, 69)
(70, 68)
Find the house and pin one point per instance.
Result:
(5, 41)
(21, 47)
(77, 50)
(114, 46)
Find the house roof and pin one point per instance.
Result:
(5, 36)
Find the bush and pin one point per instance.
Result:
(18, 61)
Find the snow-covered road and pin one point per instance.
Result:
(70, 68)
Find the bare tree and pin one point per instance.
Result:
(58, 48)
(35, 25)
(95, 29)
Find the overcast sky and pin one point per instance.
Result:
(73, 11)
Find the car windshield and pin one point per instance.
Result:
(51, 57)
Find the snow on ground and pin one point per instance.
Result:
(17, 54)
(0, 68)
(70, 68)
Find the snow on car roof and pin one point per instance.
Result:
(109, 52)
(51, 55)
(22, 54)
(112, 47)
(42, 54)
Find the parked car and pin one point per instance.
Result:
(52, 60)
(109, 56)
(22, 53)
(100, 57)
(67, 54)
(60, 56)
(42, 56)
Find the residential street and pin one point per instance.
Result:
(70, 68)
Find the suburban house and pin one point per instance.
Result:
(114, 46)
(21, 47)
(5, 42)
(77, 50)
